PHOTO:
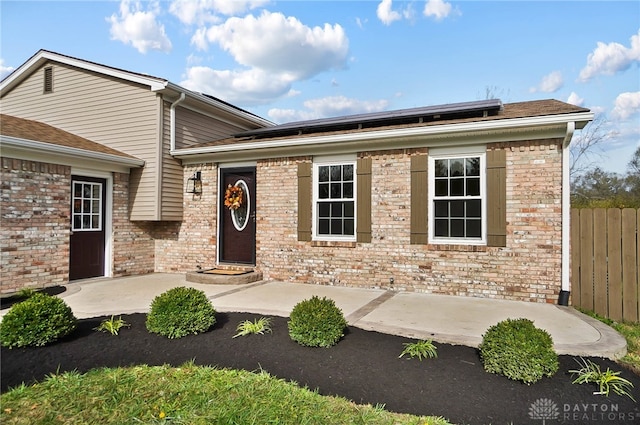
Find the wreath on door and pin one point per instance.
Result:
(233, 197)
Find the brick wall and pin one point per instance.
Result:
(527, 269)
(190, 244)
(34, 208)
(133, 244)
(34, 224)
(35, 227)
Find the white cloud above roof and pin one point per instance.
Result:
(274, 51)
(626, 105)
(245, 87)
(574, 99)
(5, 70)
(201, 12)
(550, 83)
(139, 27)
(610, 59)
(437, 9)
(386, 14)
(279, 44)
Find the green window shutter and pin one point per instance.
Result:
(363, 216)
(419, 199)
(496, 197)
(305, 191)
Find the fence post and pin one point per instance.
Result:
(629, 265)
(614, 255)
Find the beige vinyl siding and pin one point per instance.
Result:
(113, 112)
(172, 185)
(193, 128)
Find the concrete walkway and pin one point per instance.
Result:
(449, 319)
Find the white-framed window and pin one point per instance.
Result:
(457, 200)
(87, 206)
(334, 199)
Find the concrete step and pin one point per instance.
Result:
(225, 275)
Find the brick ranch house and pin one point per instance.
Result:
(464, 199)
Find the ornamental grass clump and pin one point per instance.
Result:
(179, 312)
(112, 325)
(519, 351)
(37, 321)
(316, 322)
(258, 326)
(420, 349)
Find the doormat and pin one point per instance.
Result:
(226, 272)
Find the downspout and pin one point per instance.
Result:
(172, 147)
(565, 290)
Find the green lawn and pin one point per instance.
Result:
(631, 332)
(188, 394)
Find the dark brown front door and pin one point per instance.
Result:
(238, 225)
(87, 246)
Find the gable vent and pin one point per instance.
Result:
(48, 80)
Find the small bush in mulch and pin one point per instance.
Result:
(519, 351)
(316, 322)
(36, 321)
(179, 312)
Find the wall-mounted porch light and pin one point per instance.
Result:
(194, 183)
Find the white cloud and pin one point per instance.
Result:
(550, 83)
(244, 87)
(386, 14)
(574, 99)
(5, 70)
(139, 28)
(626, 105)
(437, 9)
(278, 44)
(208, 11)
(331, 106)
(609, 59)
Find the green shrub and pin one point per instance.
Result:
(180, 312)
(519, 351)
(316, 322)
(37, 321)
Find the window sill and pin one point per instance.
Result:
(462, 248)
(334, 244)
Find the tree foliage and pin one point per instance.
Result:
(597, 188)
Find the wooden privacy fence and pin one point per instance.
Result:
(605, 261)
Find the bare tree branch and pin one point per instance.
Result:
(586, 148)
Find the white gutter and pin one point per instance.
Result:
(50, 148)
(566, 215)
(182, 97)
(374, 135)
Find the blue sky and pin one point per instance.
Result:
(295, 60)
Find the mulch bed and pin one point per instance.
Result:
(364, 367)
(7, 302)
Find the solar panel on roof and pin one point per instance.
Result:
(377, 118)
